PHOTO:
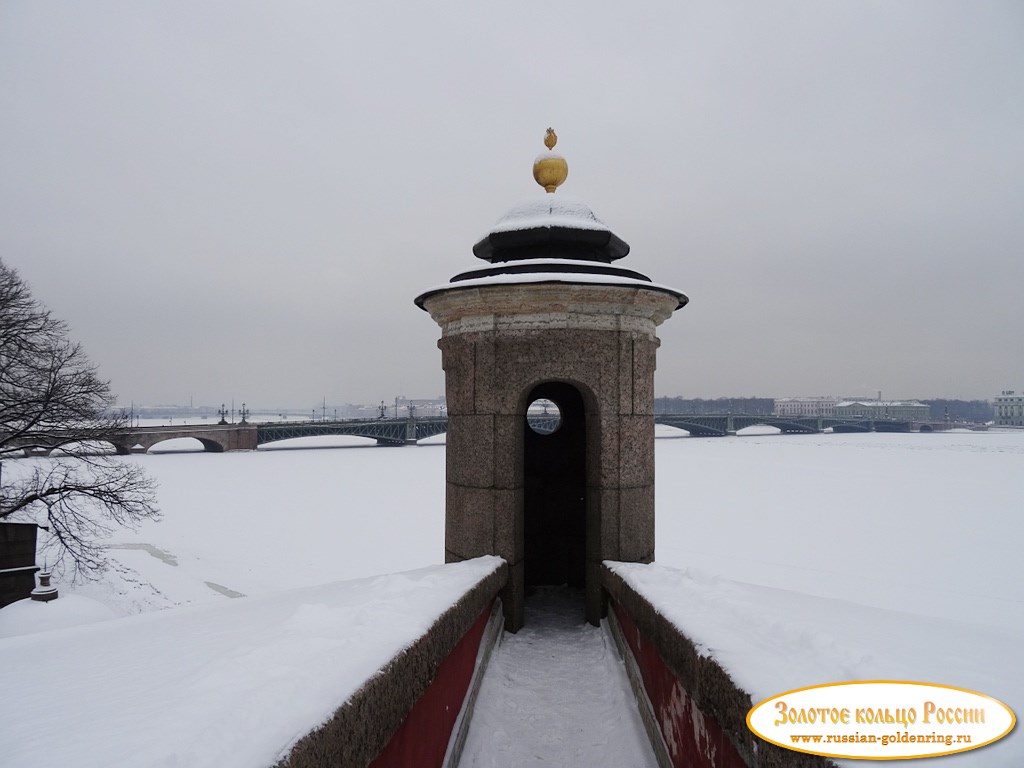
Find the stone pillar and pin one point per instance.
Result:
(242, 438)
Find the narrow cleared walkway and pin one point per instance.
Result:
(556, 694)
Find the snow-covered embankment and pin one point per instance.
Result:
(245, 682)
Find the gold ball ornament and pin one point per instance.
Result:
(550, 170)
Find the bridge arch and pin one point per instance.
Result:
(756, 424)
(195, 444)
(849, 427)
(313, 442)
(89, 448)
(696, 425)
(758, 429)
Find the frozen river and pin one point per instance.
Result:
(928, 524)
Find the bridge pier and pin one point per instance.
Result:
(240, 439)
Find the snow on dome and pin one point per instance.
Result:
(547, 155)
(550, 211)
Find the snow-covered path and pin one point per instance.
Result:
(556, 693)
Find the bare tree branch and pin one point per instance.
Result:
(52, 397)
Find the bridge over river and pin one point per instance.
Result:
(247, 436)
(717, 425)
(244, 436)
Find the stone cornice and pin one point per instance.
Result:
(536, 306)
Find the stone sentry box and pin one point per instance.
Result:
(551, 319)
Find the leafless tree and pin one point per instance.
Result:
(51, 399)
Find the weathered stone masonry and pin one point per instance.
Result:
(498, 344)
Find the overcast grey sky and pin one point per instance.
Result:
(241, 199)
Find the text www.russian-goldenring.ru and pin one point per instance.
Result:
(948, 739)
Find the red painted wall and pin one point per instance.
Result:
(694, 740)
(421, 741)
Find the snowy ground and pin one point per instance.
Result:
(803, 559)
(233, 683)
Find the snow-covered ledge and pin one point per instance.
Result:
(404, 714)
(697, 709)
(236, 683)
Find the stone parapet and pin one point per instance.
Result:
(368, 728)
(696, 711)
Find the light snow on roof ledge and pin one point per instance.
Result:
(551, 210)
(548, 155)
(580, 278)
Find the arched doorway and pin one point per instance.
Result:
(555, 475)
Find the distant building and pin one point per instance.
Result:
(900, 410)
(1009, 409)
(805, 406)
(422, 408)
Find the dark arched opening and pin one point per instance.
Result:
(554, 510)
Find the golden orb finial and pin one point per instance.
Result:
(550, 170)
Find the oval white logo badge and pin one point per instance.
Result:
(881, 720)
